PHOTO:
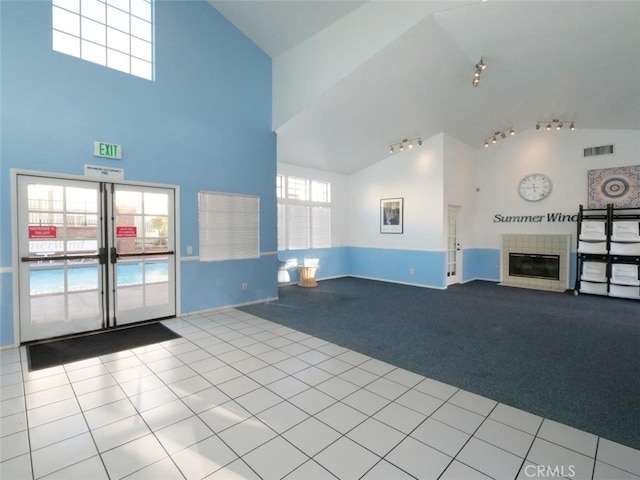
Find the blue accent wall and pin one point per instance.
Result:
(483, 263)
(395, 265)
(203, 124)
(332, 262)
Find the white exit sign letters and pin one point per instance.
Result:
(107, 150)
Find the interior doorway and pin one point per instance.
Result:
(92, 255)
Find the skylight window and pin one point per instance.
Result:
(115, 33)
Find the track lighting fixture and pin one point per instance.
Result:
(480, 66)
(559, 124)
(503, 134)
(408, 142)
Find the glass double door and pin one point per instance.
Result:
(93, 255)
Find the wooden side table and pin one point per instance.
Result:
(307, 277)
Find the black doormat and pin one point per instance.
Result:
(59, 352)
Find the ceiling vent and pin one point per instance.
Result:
(603, 150)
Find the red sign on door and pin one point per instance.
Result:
(126, 232)
(39, 231)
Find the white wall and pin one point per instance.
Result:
(559, 155)
(417, 175)
(339, 198)
(459, 187)
(308, 70)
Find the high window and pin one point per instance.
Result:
(115, 33)
(304, 213)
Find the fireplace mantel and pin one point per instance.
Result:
(536, 245)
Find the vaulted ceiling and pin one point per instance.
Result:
(545, 60)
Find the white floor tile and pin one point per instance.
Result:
(337, 388)
(224, 416)
(162, 470)
(358, 376)
(458, 418)
(400, 417)
(204, 458)
(236, 470)
(312, 401)
(62, 454)
(490, 460)
(619, 456)
(418, 459)
(166, 414)
(310, 471)
(275, 459)
(436, 389)
(341, 417)
(91, 468)
(545, 453)
(56, 431)
(183, 434)
(98, 398)
(525, 421)
(603, 471)
(510, 439)
(14, 445)
(42, 415)
(258, 400)
(442, 437)
(365, 401)
(106, 414)
(313, 376)
(311, 436)
(288, 387)
(161, 412)
(383, 470)
(460, 471)
(346, 459)
(387, 388)
(471, 401)
(247, 435)
(571, 438)
(282, 416)
(205, 399)
(118, 433)
(18, 468)
(152, 398)
(376, 436)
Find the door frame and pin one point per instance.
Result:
(457, 278)
(15, 172)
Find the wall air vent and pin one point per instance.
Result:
(603, 150)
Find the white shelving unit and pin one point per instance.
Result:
(609, 252)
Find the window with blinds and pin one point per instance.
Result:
(304, 213)
(229, 226)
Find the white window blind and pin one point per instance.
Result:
(321, 227)
(298, 222)
(229, 226)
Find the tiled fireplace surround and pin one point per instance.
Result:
(541, 245)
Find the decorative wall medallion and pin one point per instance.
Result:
(619, 186)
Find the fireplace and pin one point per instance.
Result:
(534, 265)
(535, 261)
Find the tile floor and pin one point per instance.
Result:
(241, 397)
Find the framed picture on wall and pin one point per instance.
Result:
(391, 212)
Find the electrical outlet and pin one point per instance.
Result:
(189, 250)
(412, 271)
(245, 287)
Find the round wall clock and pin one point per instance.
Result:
(535, 187)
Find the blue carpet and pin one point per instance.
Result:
(572, 359)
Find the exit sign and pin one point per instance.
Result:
(107, 150)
